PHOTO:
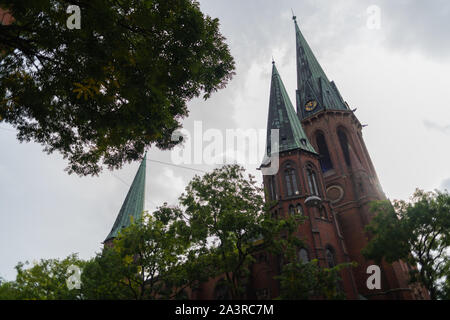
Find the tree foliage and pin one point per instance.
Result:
(301, 280)
(229, 220)
(143, 263)
(8, 290)
(304, 281)
(417, 232)
(102, 94)
(44, 280)
(103, 278)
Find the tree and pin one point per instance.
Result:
(102, 94)
(227, 215)
(147, 261)
(103, 278)
(301, 280)
(8, 290)
(304, 281)
(417, 232)
(445, 292)
(46, 280)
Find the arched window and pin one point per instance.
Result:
(291, 210)
(299, 209)
(323, 212)
(329, 256)
(303, 255)
(272, 188)
(291, 180)
(344, 145)
(312, 181)
(325, 160)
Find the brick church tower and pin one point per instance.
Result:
(298, 186)
(326, 172)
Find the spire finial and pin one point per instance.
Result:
(293, 16)
(273, 61)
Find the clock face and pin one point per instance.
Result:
(310, 105)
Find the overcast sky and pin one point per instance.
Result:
(397, 76)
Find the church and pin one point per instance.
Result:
(325, 173)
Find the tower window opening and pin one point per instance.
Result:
(312, 181)
(291, 210)
(291, 181)
(322, 212)
(303, 255)
(344, 146)
(272, 188)
(299, 209)
(329, 256)
(325, 160)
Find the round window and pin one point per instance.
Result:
(335, 193)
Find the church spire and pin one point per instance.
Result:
(282, 116)
(133, 206)
(314, 91)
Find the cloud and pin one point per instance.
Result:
(417, 25)
(445, 185)
(165, 186)
(434, 126)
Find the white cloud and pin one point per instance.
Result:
(166, 187)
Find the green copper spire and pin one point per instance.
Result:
(314, 91)
(133, 206)
(282, 116)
